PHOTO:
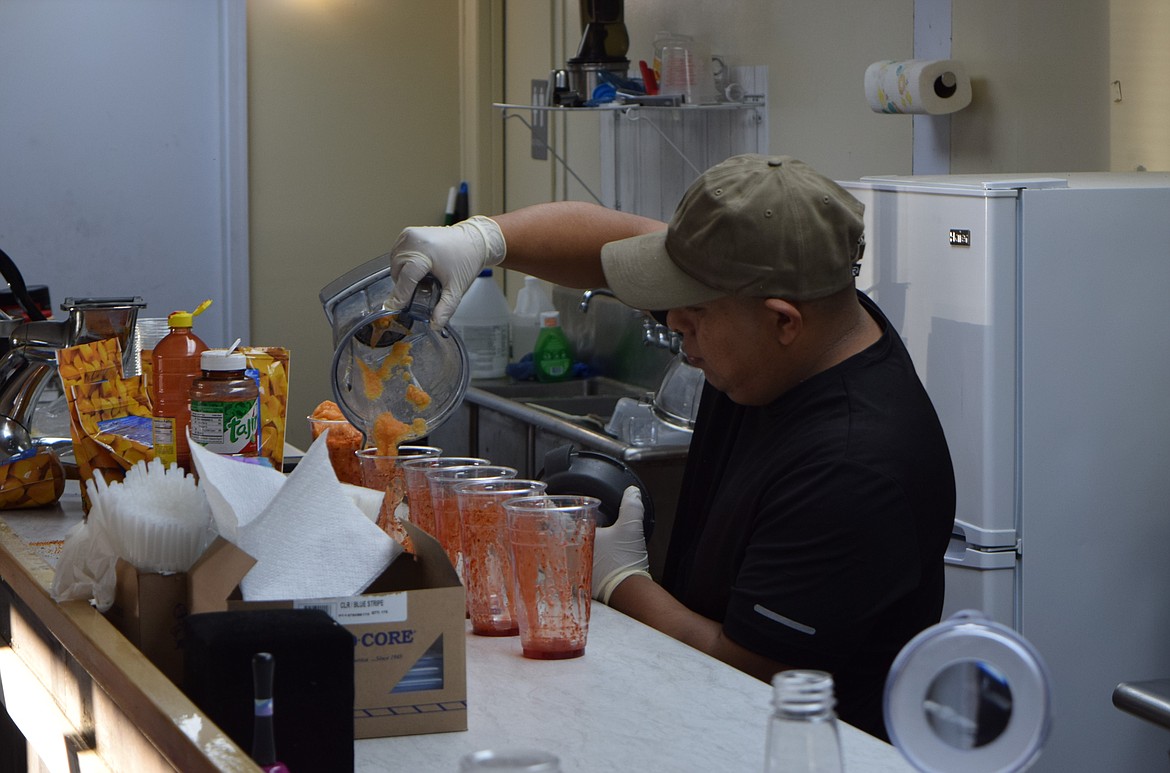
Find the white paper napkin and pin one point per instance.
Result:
(236, 492)
(309, 537)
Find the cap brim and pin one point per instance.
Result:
(642, 275)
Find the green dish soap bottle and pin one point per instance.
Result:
(552, 356)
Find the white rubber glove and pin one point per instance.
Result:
(619, 551)
(455, 254)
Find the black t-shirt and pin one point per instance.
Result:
(814, 528)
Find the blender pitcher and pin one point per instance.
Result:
(393, 376)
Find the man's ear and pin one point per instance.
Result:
(788, 319)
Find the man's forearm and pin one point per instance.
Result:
(561, 241)
(645, 600)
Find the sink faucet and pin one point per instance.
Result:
(656, 334)
(653, 333)
(587, 296)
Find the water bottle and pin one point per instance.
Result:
(482, 321)
(531, 301)
(802, 733)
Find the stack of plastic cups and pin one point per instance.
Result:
(487, 562)
(418, 489)
(445, 505)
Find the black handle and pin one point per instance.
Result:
(263, 735)
(16, 283)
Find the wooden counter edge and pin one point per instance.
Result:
(147, 698)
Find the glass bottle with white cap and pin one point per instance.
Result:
(802, 733)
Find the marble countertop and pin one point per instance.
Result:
(637, 700)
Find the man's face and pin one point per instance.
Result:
(733, 341)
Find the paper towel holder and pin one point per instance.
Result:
(945, 85)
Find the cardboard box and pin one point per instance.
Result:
(148, 610)
(410, 650)
(149, 607)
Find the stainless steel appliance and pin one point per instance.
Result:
(30, 364)
(1034, 308)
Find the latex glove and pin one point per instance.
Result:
(619, 551)
(455, 254)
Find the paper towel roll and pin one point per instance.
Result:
(933, 86)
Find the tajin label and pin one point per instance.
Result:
(226, 427)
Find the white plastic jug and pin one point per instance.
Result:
(525, 318)
(481, 319)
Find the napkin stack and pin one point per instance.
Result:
(311, 536)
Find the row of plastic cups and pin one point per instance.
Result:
(548, 558)
(525, 557)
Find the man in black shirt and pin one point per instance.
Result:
(819, 495)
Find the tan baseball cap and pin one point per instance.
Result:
(755, 226)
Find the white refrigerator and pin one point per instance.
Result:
(1037, 312)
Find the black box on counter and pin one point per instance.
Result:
(312, 686)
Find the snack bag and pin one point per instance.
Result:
(33, 478)
(270, 367)
(80, 365)
(116, 415)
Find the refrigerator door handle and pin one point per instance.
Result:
(985, 539)
(962, 552)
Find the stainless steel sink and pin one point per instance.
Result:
(536, 391)
(587, 403)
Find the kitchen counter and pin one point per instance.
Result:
(637, 699)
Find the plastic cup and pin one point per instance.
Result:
(678, 70)
(445, 505)
(487, 561)
(343, 442)
(551, 542)
(418, 489)
(382, 472)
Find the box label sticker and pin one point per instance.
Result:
(361, 610)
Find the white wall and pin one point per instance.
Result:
(122, 153)
(1140, 101)
(355, 134)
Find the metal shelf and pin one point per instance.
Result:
(650, 154)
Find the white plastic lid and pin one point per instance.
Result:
(968, 695)
(550, 318)
(222, 359)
